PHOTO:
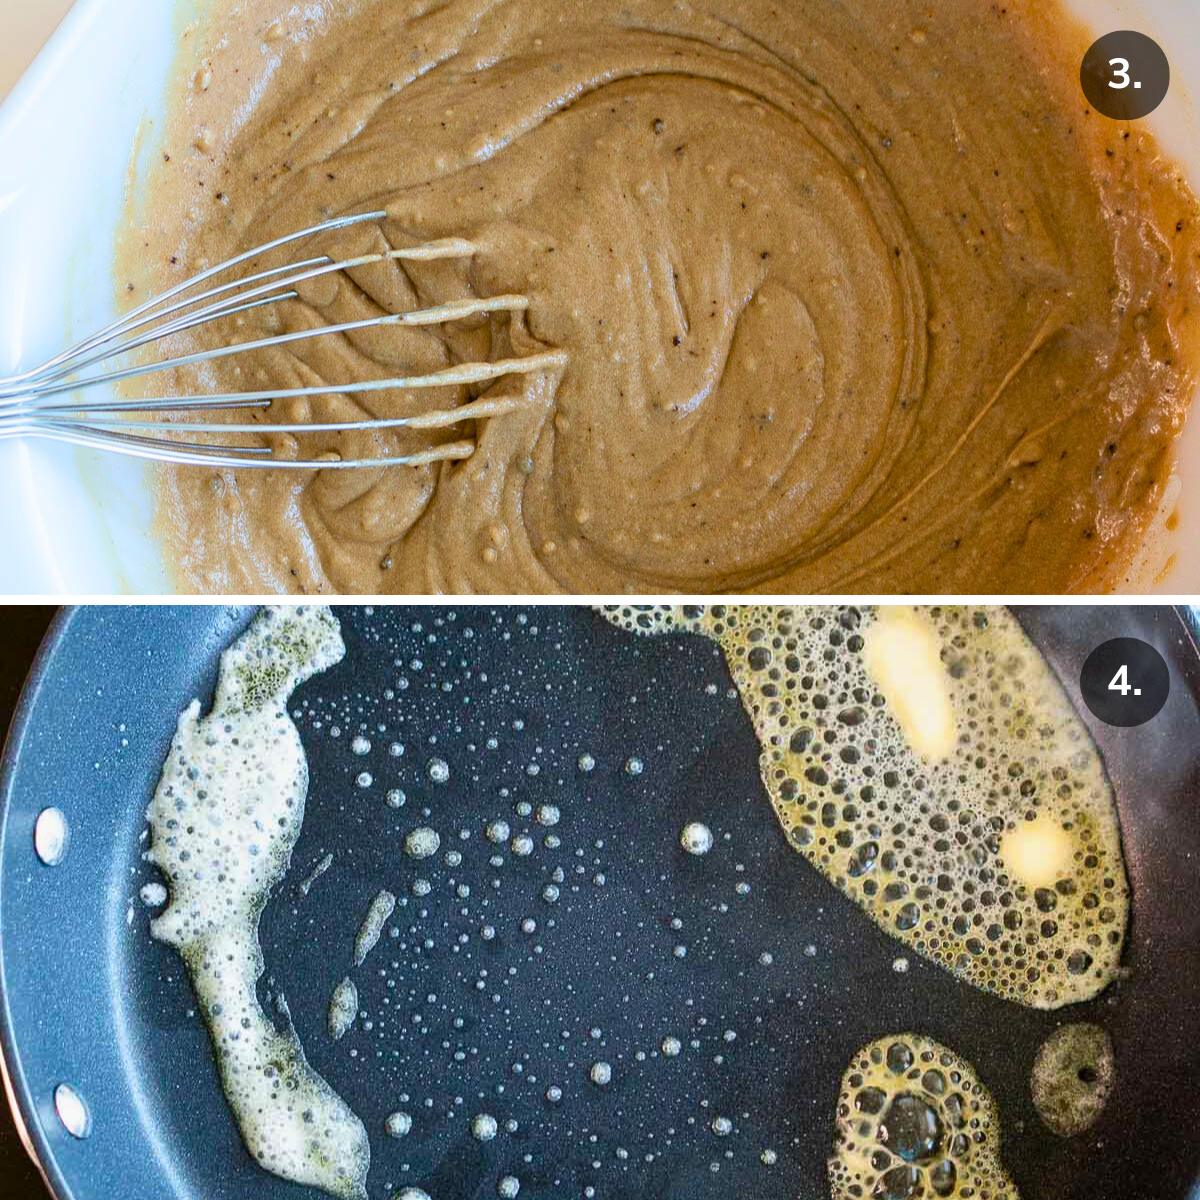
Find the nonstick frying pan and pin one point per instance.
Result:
(788, 966)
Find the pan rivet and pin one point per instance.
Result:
(50, 836)
(72, 1111)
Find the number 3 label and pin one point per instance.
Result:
(1125, 76)
(1121, 71)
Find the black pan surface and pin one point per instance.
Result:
(456, 1023)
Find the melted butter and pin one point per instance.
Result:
(1073, 1075)
(903, 656)
(1038, 852)
(999, 858)
(343, 1009)
(914, 1120)
(225, 818)
(371, 929)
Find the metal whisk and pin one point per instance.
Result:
(45, 402)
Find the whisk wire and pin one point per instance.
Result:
(461, 375)
(429, 316)
(45, 402)
(101, 335)
(241, 458)
(243, 302)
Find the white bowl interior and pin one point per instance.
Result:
(76, 522)
(79, 522)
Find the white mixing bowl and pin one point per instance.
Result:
(78, 522)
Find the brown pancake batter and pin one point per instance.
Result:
(856, 296)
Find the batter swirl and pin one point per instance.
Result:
(856, 296)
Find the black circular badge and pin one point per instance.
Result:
(1125, 75)
(1125, 682)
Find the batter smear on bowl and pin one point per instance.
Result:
(854, 297)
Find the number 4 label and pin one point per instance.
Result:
(1106, 682)
(1120, 681)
